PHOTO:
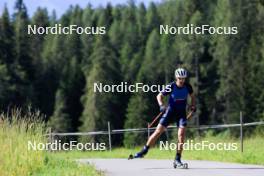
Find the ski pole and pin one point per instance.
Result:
(190, 114)
(156, 118)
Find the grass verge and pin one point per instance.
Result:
(253, 152)
(15, 158)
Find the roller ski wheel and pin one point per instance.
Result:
(135, 156)
(130, 157)
(180, 165)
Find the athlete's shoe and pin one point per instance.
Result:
(143, 152)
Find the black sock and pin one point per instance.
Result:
(144, 150)
(178, 157)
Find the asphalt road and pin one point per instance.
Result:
(152, 167)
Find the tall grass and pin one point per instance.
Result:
(16, 129)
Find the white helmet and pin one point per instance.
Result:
(180, 73)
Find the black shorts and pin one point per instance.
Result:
(174, 116)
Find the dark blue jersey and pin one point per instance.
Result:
(178, 95)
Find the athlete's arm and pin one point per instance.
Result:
(193, 102)
(191, 93)
(167, 90)
(160, 99)
(160, 102)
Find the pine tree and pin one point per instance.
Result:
(6, 60)
(130, 38)
(101, 107)
(56, 65)
(67, 103)
(237, 55)
(141, 18)
(87, 40)
(141, 106)
(254, 101)
(23, 62)
(115, 31)
(7, 38)
(40, 19)
(152, 18)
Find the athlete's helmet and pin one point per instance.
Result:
(180, 73)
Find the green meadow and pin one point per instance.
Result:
(16, 159)
(253, 151)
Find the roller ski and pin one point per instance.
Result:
(140, 154)
(135, 156)
(180, 165)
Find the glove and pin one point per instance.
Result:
(193, 108)
(162, 108)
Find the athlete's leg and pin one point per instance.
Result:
(182, 123)
(181, 136)
(151, 141)
(163, 123)
(154, 136)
